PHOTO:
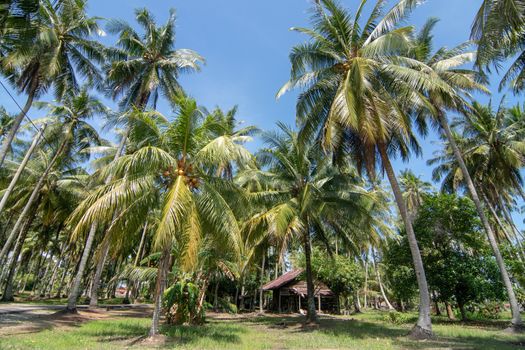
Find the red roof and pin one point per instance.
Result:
(282, 280)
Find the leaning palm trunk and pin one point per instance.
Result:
(8, 291)
(162, 277)
(21, 168)
(30, 201)
(75, 287)
(311, 315)
(517, 232)
(516, 317)
(261, 292)
(48, 288)
(423, 327)
(16, 125)
(95, 283)
(365, 303)
(381, 288)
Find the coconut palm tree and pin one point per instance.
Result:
(492, 147)
(414, 191)
(175, 161)
(495, 145)
(303, 197)
(59, 51)
(62, 189)
(144, 66)
(499, 30)
(445, 68)
(71, 134)
(358, 87)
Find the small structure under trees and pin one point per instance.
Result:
(289, 294)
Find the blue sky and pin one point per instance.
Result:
(246, 45)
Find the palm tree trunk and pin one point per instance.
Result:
(378, 276)
(423, 327)
(365, 303)
(357, 303)
(21, 168)
(261, 292)
(216, 296)
(495, 215)
(95, 283)
(48, 289)
(75, 288)
(74, 293)
(63, 278)
(516, 317)
(30, 201)
(162, 277)
(16, 125)
(311, 313)
(510, 221)
(141, 244)
(8, 291)
(450, 312)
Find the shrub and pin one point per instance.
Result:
(181, 304)
(228, 307)
(489, 310)
(396, 317)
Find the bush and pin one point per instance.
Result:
(181, 304)
(489, 310)
(228, 307)
(396, 317)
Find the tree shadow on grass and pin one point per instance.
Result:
(354, 328)
(221, 332)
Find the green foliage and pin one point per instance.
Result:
(459, 266)
(341, 274)
(181, 304)
(399, 272)
(396, 317)
(226, 306)
(490, 310)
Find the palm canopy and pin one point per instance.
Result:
(359, 80)
(144, 66)
(447, 68)
(499, 29)
(68, 124)
(414, 190)
(175, 161)
(302, 193)
(492, 146)
(62, 190)
(61, 49)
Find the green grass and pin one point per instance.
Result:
(25, 298)
(365, 331)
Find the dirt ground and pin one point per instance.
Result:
(38, 320)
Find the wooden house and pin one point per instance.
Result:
(289, 294)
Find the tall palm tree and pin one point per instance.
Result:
(445, 68)
(59, 50)
(62, 189)
(499, 30)
(144, 66)
(358, 85)
(495, 145)
(414, 191)
(71, 134)
(492, 148)
(141, 68)
(303, 196)
(175, 161)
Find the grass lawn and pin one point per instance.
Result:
(366, 331)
